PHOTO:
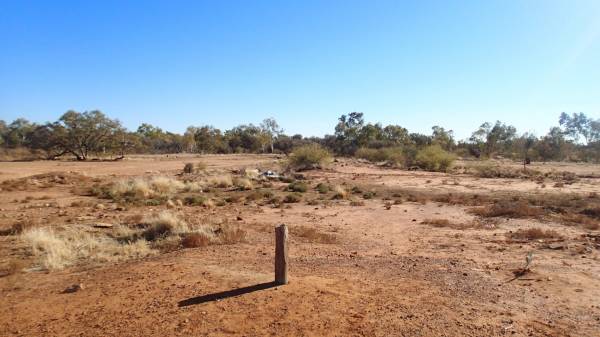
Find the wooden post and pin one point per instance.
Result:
(281, 255)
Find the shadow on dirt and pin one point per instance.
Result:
(226, 294)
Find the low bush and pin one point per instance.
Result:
(162, 225)
(138, 189)
(534, 234)
(339, 192)
(509, 209)
(368, 195)
(298, 187)
(198, 200)
(313, 235)
(393, 156)
(307, 157)
(222, 181)
(292, 198)
(434, 158)
(243, 184)
(322, 188)
(196, 240)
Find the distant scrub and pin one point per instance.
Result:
(307, 157)
(393, 156)
(434, 158)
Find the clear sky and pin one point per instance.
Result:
(224, 63)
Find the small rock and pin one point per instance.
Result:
(239, 218)
(100, 206)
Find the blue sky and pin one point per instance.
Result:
(223, 63)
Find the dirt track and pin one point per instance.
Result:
(387, 275)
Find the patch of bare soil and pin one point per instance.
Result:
(373, 252)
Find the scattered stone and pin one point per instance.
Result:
(100, 206)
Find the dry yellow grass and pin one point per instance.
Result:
(57, 249)
(339, 192)
(142, 189)
(243, 184)
(222, 180)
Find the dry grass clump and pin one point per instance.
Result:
(165, 185)
(20, 227)
(322, 188)
(339, 192)
(199, 200)
(509, 209)
(441, 223)
(490, 170)
(357, 203)
(196, 240)
(66, 246)
(225, 234)
(437, 222)
(313, 235)
(230, 234)
(298, 186)
(163, 225)
(307, 157)
(243, 184)
(580, 219)
(534, 233)
(60, 248)
(194, 186)
(139, 189)
(221, 181)
(292, 198)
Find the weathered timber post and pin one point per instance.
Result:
(281, 254)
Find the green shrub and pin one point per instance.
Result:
(307, 157)
(393, 156)
(292, 198)
(434, 158)
(322, 188)
(298, 187)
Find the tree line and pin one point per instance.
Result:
(83, 135)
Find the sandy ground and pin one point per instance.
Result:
(387, 275)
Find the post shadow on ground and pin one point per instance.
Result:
(226, 294)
